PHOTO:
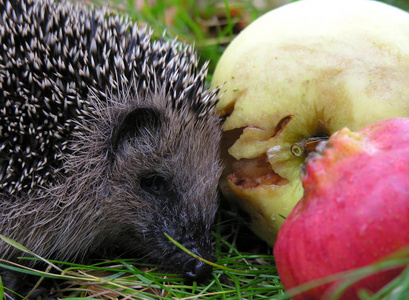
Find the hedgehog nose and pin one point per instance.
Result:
(197, 270)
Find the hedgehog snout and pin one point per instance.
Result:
(189, 267)
(196, 270)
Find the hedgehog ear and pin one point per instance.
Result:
(134, 124)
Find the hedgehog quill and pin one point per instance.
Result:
(108, 139)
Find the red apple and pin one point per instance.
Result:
(354, 212)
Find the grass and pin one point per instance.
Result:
(239, 274)
(246, 268)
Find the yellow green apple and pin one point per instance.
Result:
(295, 76)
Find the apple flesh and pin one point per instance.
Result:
(354, 212)
(304, 70)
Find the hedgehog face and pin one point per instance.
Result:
(150, 154)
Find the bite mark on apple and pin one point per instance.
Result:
(282, 124)
(251, 173)
(227, 109)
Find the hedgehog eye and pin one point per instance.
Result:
(153, 184)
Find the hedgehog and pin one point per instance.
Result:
(109, 140)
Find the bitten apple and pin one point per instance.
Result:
(297, 74)
(354, 212)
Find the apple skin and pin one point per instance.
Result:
(354, 212)
(305, 69)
